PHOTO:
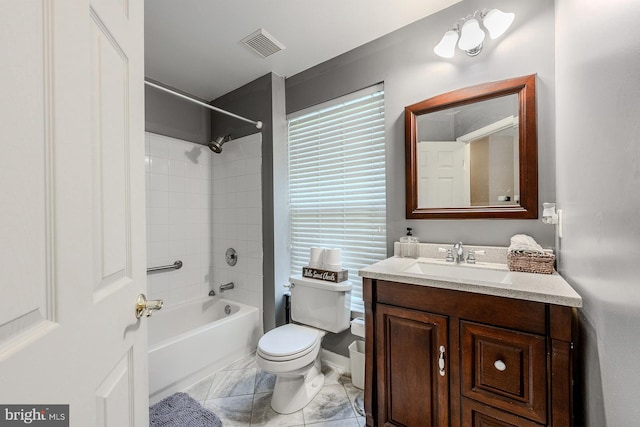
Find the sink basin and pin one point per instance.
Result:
(466, 272)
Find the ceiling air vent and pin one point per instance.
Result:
(263, 43)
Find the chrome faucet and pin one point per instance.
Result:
(458, 253)
(226, 287)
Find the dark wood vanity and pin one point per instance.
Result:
(442, 357)
(453, 346)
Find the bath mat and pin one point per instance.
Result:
(181, 410)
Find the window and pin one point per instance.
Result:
(337, 188)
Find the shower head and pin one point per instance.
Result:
(216, 146)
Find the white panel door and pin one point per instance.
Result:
(443, 174)
(72, 212)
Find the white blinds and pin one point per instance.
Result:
(337, 185)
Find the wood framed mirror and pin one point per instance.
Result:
(473, 153)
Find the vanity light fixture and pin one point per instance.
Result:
(468, 34)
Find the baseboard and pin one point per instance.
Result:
(336, 360)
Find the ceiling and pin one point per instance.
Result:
(195, 45)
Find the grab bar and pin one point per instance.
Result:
(175, 266)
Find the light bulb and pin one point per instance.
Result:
(447, 46)
(497, 22)
(471, 36)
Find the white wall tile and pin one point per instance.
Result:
(159, 165)
(198, 205)
(157, 182)
(254, 233)
(177, 248)
(158, 250)
(177, 167)
(158, 199)
(254, 215)
(159, 147)
(158, 233)
(177, 200)
(192, 246)
(176, 183)
(192, 170)
(157, 216)
(177, 216)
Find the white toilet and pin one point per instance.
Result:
(292, 351)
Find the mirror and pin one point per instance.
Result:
(472, 153)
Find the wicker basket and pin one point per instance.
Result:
(531, 263)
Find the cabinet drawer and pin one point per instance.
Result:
(475, 414)
(505, 369)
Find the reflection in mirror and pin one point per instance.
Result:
(472, 153)
(468, 155)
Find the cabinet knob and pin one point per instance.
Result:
(499, 365)
(441, 361)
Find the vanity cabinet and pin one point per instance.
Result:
(410, 345)
(440, 357)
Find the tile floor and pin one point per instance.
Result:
(241, 396)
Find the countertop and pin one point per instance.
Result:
(545, 288)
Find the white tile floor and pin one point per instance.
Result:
(241, 396)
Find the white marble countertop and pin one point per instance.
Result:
(482, 278)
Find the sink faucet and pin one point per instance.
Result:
(458, 253)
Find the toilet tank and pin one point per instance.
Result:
(320, 304)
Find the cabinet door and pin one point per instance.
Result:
(413, 368)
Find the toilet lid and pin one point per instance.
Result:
(288, 340)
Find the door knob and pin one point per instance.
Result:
(145, 306)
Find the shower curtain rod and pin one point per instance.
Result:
(211, 107)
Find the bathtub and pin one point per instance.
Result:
(195, 339)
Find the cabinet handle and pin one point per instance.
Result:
(500, 365)
(441, 361)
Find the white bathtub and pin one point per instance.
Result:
(192, 340)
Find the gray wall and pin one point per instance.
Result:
(263, 99)
(166, 114)
(598, 177)
(411, 72)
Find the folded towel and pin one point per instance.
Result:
(525, 245)
(181, 410)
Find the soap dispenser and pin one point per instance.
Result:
(409, 245)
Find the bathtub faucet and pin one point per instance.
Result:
(212, 293)
(227, 286)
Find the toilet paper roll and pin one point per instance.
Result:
(332, 267)
(332, 259)
(316, 257)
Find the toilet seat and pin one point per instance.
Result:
(289, 342)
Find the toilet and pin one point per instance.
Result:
(292, 351)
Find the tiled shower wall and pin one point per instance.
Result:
(237, 218)
(198, 204)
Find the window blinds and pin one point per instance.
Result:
(337, 189)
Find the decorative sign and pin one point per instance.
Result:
(326, 275)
